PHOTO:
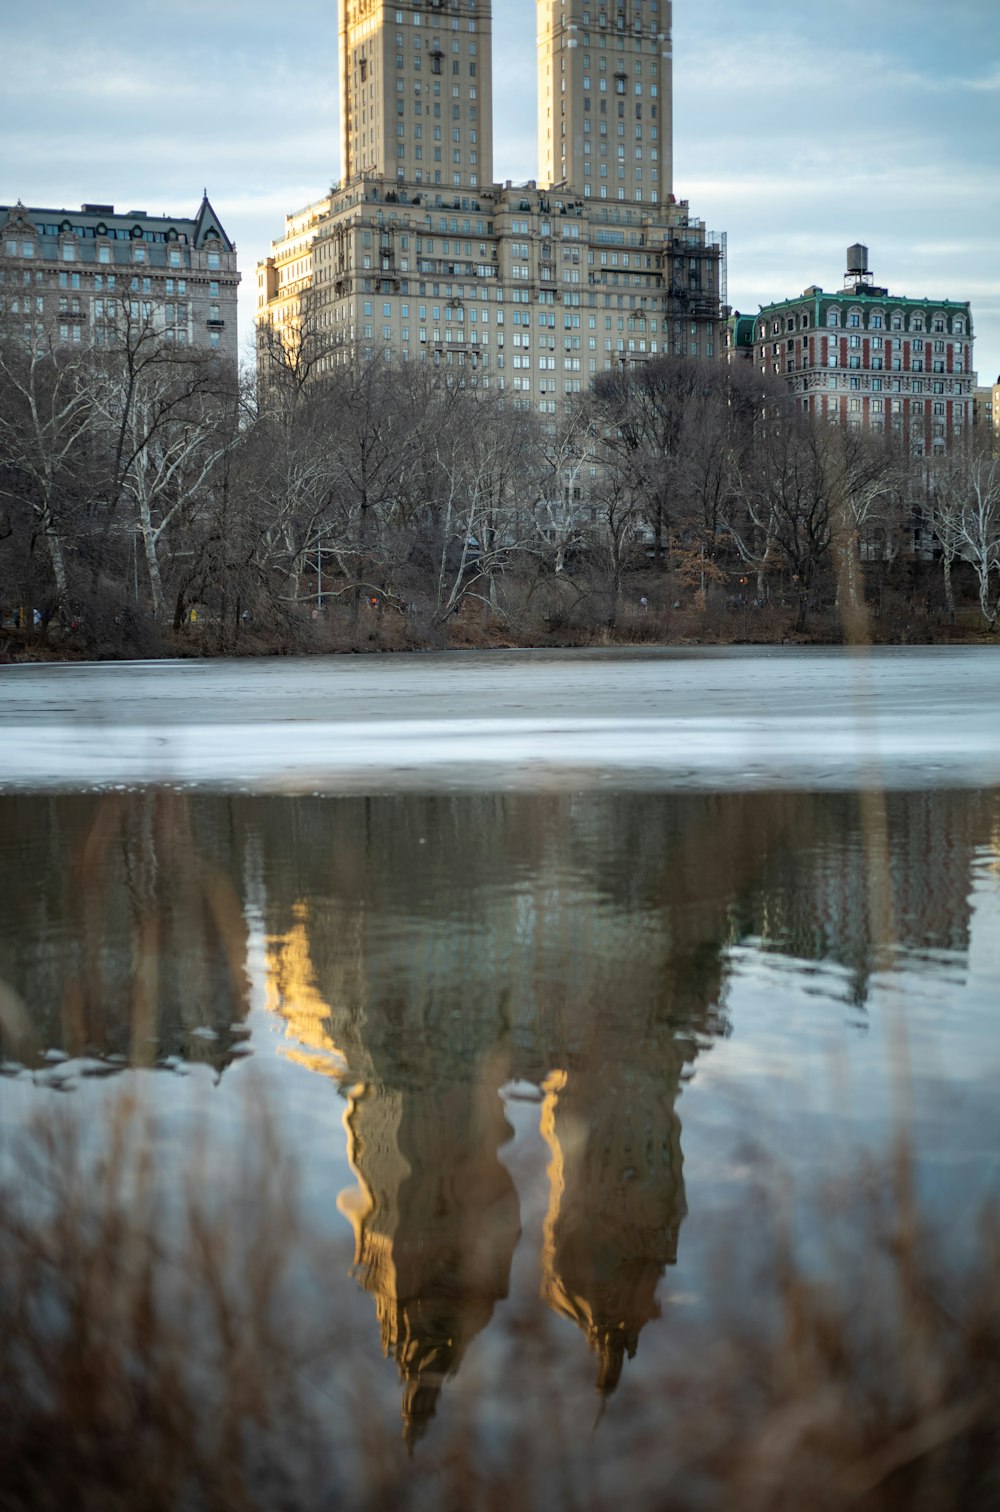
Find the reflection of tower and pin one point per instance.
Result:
(436, 1222)
(292, 993)
(616, 1198)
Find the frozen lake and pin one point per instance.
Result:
(893, 717)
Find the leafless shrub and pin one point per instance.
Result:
(166, 1348)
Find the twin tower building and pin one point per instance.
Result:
(419, 254)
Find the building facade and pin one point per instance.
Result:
(75, 277)
(986, 408)
(419, 255)
(416, 92)
(605, 85)
(862, 356)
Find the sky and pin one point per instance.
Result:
(800, 126)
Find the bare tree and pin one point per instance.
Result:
(978, 486)
(782, 502)
(482, 517)
(569, 454)
(46, 413)
(863, 474)
(170, 413)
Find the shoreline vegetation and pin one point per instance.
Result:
(155, 1356)
(152, 502)
(378, 630)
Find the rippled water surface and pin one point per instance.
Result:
(520, 1045)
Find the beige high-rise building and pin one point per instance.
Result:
(536, 288)
(416, 92)
(605, 82)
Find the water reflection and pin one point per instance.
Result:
(436, 1222)
(123, 928)
(425, 952)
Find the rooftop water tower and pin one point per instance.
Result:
(858, 275)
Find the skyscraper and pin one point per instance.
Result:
(416, 92)
(605, 81)
(418, 255)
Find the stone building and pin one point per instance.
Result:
(76, 276)
(740, 331)
(535, 288)
(866, 357)
(605, 124)
(986, 407)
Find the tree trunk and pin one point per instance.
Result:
(53, 542)
(152, 561)
(949, 590)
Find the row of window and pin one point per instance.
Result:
(176, 258)
(108, 282)
(877, 321)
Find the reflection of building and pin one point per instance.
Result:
(436, 1222)
(292, 993)
(432, 998)
(534, 288)
(428, 950)
(616, 1198)
(78, 275)
(864, 357)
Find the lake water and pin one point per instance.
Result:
(539, 961)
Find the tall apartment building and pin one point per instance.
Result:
(76, 275)
(418, 254)
(416, 92)
(605, 90)
(865, 357)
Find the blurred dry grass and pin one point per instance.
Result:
(167, 1349)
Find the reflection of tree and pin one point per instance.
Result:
(123, 931)
(902, 865)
